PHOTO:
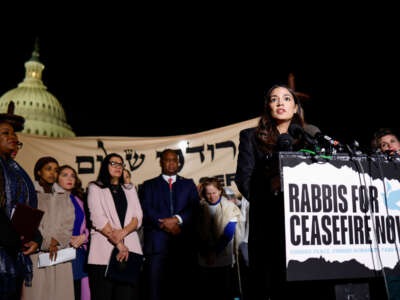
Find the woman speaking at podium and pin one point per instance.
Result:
(257, 178)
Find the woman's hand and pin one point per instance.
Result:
(123, 252)
(30, 247)
(78, 240)
(53, 249)
(117, 235)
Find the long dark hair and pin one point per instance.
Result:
(267, 132)
(41, 163)
(104, 177)
(77, 190)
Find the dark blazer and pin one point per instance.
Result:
(253, 181)
(250, 158)
(266, 233)
(155, 201)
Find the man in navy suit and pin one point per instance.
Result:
(169, 204)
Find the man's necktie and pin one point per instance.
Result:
(171, 205)
(170, 183)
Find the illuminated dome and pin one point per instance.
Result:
(43, 113)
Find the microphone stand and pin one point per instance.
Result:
(355, 152)
(318, 153)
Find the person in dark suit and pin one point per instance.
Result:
(257, 178)
(170, 206)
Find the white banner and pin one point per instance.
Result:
(209, 153)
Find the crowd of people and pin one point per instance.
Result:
(198, 242)
(186, 234)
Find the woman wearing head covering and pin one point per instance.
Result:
(54, 281)
(15, 187)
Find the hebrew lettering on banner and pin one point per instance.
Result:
(209, 153)
(82, 160)
(138, 159)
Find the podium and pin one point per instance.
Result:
(342, 217)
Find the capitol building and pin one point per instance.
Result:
(43, 113)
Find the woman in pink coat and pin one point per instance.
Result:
(116, 215)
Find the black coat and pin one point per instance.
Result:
(254, 172)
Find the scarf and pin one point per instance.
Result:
(17, 187)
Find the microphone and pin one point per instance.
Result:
(391, 153)
(297, 132)
(311, 130)
(323, 137)
(315, 133)
(285, 142)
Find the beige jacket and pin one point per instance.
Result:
(58, 219)
(54, 282)
(212, 228)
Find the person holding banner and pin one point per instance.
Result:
(54, 281)
(116, 216)
(68, 180)
(257, 178)
(170, 206)
(15, 187)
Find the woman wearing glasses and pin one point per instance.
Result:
(19, 146)
(15, 187)
(116, 215)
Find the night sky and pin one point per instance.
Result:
(166, 75)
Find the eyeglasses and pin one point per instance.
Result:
(19, 145)
(115, 164)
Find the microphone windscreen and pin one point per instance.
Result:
(296, 131)
(311, 130)
(285, 142)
